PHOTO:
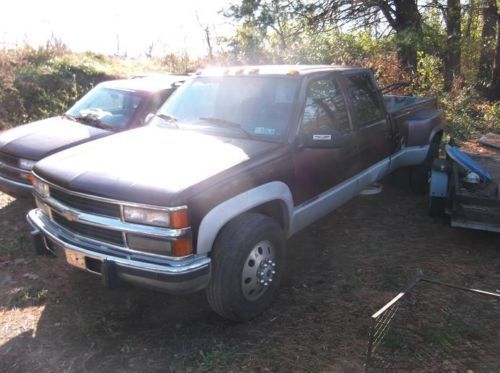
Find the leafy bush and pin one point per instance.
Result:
(38, 83)
(467, 115)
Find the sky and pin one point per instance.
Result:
(113, 26)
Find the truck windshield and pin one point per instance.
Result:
(106, 107)
(255, 106)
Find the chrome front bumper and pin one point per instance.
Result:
(114, 265)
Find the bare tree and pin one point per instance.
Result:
(208, 39)
(149, 50)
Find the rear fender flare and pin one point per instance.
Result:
(424, 126)
(223, 213)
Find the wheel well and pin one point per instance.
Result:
(273, 209)
(437, 136)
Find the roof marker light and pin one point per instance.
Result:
(292, 72)
(254, 70)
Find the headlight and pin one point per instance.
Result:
(146, 216)
(160, 218)
(26, 164)
(41, 188)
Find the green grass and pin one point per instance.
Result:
(25, 297)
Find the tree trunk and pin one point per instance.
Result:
(408, 26)
(488, 37)
(453, 32)
(209, 43)
(495, 79)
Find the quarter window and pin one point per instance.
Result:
(325, 108)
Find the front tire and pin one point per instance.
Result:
(247, 263)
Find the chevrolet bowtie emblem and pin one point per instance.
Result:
(71, 216)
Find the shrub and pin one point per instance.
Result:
(38, 83)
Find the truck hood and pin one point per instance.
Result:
(39, 139)
(147, 165)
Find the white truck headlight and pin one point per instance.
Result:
(26, 164)
(41, 188)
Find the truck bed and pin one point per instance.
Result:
(399, 104)
(413, 117)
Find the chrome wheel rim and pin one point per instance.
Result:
(259, 270)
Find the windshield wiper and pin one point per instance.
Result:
(226, 123)
(92, 121)
(168, 118)
(69, 116)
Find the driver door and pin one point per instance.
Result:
(318, 169)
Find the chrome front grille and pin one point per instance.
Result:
(9, 160)
(85, 204)
(11, 174)
(9, 168)
(90, 231)
(99, 220)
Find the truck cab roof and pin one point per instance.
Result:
(275, 70)
(148, 84)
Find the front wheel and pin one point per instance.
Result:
(247, 263)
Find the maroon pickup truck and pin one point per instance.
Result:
(233, 164)
(110, 107)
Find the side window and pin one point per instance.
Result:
(325, 108)
(366, 106)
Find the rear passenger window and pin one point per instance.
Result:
(366, 106)
(325, 108)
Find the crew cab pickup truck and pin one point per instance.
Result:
(110, 107)
(233, 164)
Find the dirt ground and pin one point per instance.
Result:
(54, 318)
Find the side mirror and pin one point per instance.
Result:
(148, 118)
(322, 139)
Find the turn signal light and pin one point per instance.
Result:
(179, 219)
(30, 178)
(182, 247)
